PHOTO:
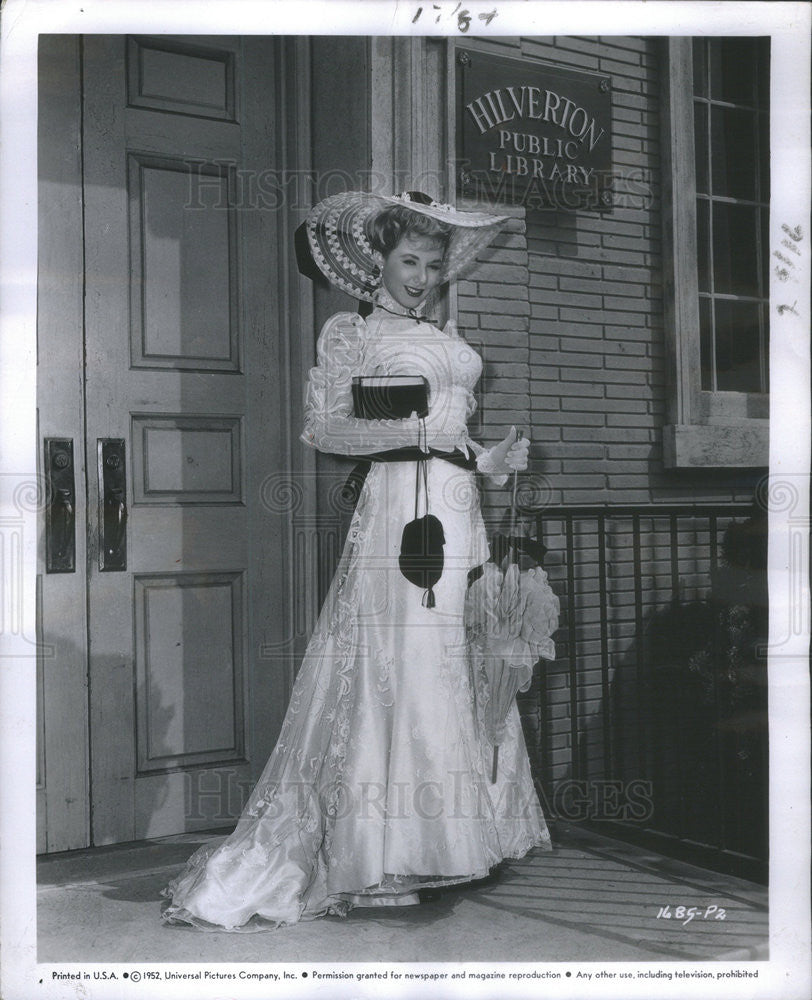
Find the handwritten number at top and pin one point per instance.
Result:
(463, 16)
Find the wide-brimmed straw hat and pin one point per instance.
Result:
(337, 231)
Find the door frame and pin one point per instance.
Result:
(63, 780)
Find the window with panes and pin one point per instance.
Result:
(731, 141)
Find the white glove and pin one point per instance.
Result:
(508, 456)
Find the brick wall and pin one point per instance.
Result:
(566, 309)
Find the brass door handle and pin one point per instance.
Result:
(113, 505)
(60, 516)
(64, 498)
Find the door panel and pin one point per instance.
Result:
(169, 294)
(185, 459)
(179, 75)
(181, 255)
(188, 631)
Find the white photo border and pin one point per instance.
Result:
(786, 974)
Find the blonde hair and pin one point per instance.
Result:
(386, 229)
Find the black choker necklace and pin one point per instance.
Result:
(409, 314)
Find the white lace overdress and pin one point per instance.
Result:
(380, 781)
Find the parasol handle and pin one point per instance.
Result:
(512, 534)
(495, 763)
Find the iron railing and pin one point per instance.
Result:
(658, 692)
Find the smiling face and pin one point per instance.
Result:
(412, 269)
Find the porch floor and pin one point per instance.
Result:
(591, 899)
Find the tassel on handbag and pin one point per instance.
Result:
(379, 397)
(421, 546)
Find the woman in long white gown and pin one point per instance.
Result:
(379, 784)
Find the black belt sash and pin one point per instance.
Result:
(355, 481)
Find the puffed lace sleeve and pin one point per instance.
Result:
(329, 424)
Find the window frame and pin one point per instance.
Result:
(706, 429)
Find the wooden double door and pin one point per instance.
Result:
(165, 294)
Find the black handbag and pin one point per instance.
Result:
(390, 397)
(421, 557)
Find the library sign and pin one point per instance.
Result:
(532, 134)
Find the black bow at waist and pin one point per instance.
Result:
(411, 453)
